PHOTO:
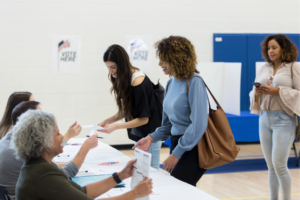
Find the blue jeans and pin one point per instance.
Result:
(277, 133)
(155, 152)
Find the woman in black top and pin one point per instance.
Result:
(135, 99)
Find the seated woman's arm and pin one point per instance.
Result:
(142, 189)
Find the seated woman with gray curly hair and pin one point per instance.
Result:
(37, 141)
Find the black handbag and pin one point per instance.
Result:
(159, 92)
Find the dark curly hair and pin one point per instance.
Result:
(289, 49)
(180, 54)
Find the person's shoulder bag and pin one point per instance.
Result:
(298, 127)
(217, 146)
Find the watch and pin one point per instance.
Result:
(116, 177)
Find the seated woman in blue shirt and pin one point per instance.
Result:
(184, 114)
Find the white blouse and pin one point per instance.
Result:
(289, 89)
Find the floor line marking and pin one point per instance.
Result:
(255, 197)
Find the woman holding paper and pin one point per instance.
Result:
(41, 179)
(276, 100)
(135, 99)
(184, 115)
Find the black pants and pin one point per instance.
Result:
(187, 168)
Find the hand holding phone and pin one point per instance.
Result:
(256, 84)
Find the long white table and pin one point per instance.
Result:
(164, 186)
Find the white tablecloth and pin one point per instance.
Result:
(164, 186)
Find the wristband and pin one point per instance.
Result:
(116, 177)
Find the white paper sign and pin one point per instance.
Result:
(66, 54)
(141, 168)
(139, 49)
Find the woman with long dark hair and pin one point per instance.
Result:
(13, 100)
(135, 99)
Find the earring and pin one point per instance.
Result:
(282, 57)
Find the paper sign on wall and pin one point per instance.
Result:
(66, 54)
(139, 49)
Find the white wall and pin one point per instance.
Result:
(27, 26)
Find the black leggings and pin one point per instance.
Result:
(187, 169)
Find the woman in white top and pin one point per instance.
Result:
(277, 101)
(135, 99)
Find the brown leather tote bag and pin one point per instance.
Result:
(217, 146)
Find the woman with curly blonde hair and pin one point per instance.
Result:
(277, 100)
(184, 113)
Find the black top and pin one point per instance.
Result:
(144, 104)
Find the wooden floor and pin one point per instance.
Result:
(241, 185)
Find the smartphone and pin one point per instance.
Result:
(256, 84)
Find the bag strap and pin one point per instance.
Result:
(292, 74)
(188, 88)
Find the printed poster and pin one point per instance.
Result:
(66, 54)
(139, 49)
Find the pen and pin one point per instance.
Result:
(75, 144)
(97, 137)
(63, 155)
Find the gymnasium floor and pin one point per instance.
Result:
(242, 185)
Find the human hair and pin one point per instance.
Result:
(180, 54)
(33, 134)
(13, 100)
(21, 108)
(121, 85)
(289, 49)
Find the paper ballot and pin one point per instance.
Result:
(141, 168)
(93, 127)
(92, 132)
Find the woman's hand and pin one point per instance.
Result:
(170, 163)
(103, 124)
(258, 92)
(270, 90)
(109, 128)
(144, 188)
(127, 171)
(144, 143)
(91, 142)
(73, 131)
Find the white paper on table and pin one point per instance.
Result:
(85, 171)
(114, 192)
(93, 127)
(63, 158)
(141, 168)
